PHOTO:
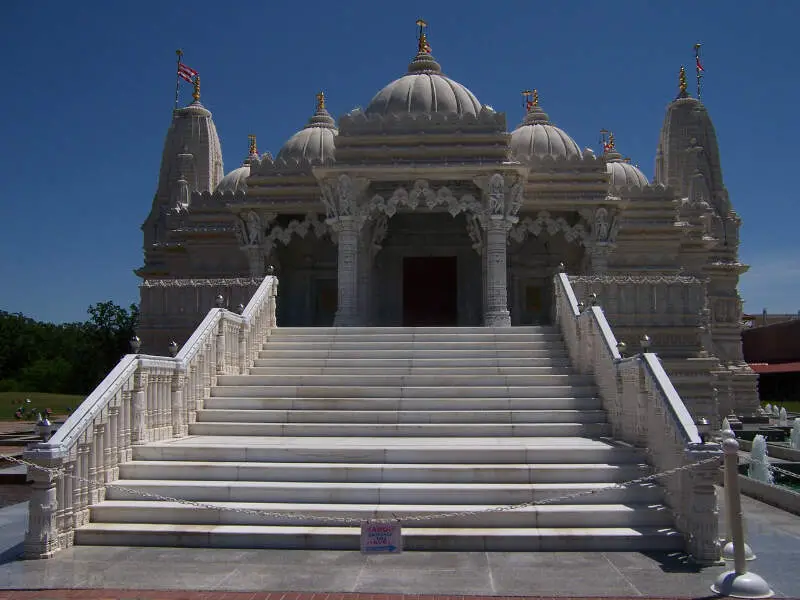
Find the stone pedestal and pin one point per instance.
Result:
(495, 311)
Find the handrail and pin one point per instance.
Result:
(645, 410)
(676, 406)
(144, 398)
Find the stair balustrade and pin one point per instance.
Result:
(645, 411)
(144, 399)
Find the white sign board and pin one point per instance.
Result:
(379, 537)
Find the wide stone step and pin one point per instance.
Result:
(356, 370)
(356, 331)
(393, 493)
(584, 403)
(402, 429)
(444, 379)
(457, 364)
(481, 450)
(420, 337)
(347, 538)
(354, 390)
(364, 346)
(331, 515)
(227, 415)
(381, 472)
(467, 352)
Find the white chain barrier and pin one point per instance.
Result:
(344, 520)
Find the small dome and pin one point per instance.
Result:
(315, 142)
(235, 181)
(623, 174)
(424, 90)
(537, 137)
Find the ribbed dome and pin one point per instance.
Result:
(537, 137)
(424, 90)
(235, 181)
(623, 174)
(315, 142)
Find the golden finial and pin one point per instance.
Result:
(607, 141)
(531, 99)
(252, 139)
(682, 93)
(196, 92)
(321, 101)
(423, 47)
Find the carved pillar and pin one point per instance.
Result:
(255, 259)
(495, 312)
(139, 425)
(42, 539)
(344, 215)
(502, 201)
(178, 409)
(701, 516)
(347, 274)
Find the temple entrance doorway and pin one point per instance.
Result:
(430, 291)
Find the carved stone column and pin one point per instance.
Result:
(347, 274)
(502, 201)
(495, 312)
(344, 215)
(42, 539)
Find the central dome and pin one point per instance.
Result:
(424, 90)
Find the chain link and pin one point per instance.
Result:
(358, 520)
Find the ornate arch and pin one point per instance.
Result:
(422, 193)
(545, 223)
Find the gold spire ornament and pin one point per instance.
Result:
(607, 141)
(423, 47)
(253, 149)
(196, 92)
(531, 99)
(682, 87)
(320, 101)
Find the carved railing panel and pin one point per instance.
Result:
(645, 411)
(143, 399)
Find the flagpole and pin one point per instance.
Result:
(697, 67)
(179, 54)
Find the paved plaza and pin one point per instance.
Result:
(773, 534)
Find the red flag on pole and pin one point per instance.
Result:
(186, 73)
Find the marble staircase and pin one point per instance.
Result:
(359, 423)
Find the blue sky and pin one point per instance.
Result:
(89, 87)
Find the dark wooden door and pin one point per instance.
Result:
(430, 291)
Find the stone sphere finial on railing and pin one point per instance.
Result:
(621, 348)
(581, 307)
(240, 308)
(270, 270)
(220, 301)
(645, 343)
(561, 267)
(173, 348)
(593, 299)
(136, 344)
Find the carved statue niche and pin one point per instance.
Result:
(497, 194)
(248, 229)
(344, 191)
(515, 200)
(605, 227)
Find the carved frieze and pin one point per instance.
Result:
(545, 223)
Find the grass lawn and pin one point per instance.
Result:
(792, 406)
(58, 403)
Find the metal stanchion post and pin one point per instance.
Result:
(738, 583)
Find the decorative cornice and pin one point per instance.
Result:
(181, 283)
(358, 122)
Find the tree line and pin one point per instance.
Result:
(70, 358)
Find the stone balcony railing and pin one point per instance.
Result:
(645, 411)
(143, 399)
